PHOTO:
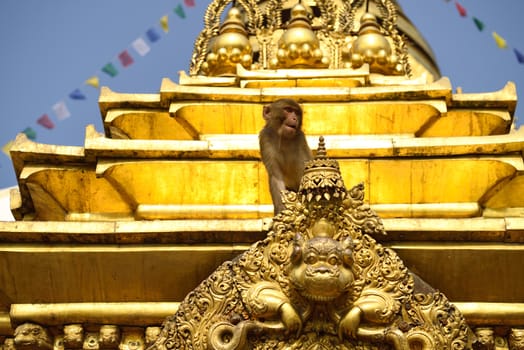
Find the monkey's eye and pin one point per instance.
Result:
(334, 260)
(311, 259)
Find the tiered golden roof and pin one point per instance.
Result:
(112, 235)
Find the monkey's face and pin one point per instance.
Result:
(321, 269)
(284, 117)
(290, 122)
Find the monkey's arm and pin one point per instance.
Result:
(276, 186)
(270, 158)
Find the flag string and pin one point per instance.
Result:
(499, 40)
(138, 48)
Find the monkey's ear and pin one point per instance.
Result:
(267, 112)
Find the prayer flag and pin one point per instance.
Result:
(61, 110)
(501, 43)
(152, 35)
(189, 3)
(179, 10)
(7, 147)
(45, 121)
(110, 70)
(76, 94)
(520, 56)
(478, 23)
(141, 47)
(93, 81)
(164, 23)
(30, 133)
(125, 58)
(461, 10)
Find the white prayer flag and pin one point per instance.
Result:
(61, 111)
(140, 46)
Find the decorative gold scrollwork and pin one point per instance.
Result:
(318, 281)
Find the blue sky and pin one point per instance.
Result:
(49, 48)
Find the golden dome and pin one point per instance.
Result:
(299, 47)
(373, 48)
(229, 48)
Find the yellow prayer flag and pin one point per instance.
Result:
(93, 81)
(164, 23)
(501, 43)
(7, 147)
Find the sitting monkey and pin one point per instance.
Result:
(283, 147)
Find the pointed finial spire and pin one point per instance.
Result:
(322, 179)
(321, 150)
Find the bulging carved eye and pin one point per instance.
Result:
(311, 259)
(334, 260)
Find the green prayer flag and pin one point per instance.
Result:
(478, 23)
(179, 10)
(30, 133)
(110, 70)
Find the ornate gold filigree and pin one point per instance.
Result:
(318, 281)
(320, 38)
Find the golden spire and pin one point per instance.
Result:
(322, 179)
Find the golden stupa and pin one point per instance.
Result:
(159, 232)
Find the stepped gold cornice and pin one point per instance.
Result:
(423, 110)
(112, 173)
(487, 230)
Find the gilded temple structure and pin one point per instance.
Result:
(407, 230)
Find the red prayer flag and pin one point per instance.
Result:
(461, 10)
(45, 121)
(189, 3)
(125, 58)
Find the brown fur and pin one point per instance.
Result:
(283, 147)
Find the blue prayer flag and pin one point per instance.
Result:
(152, 35)
(76, 94)
(520, 56)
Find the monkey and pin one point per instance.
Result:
(283, 147)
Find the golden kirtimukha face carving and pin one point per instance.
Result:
(321, 266)
(319, 280)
